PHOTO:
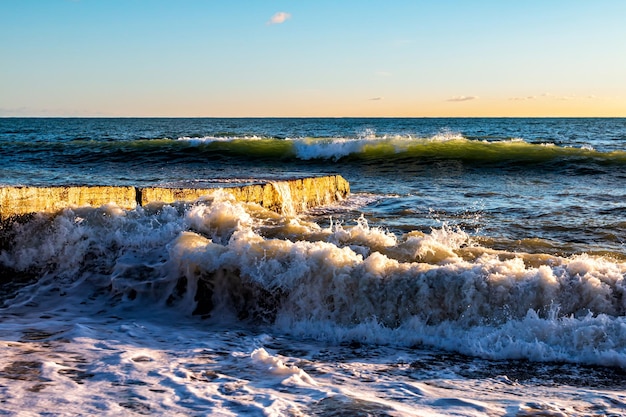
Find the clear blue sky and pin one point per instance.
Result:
(312, 58)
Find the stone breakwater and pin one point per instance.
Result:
(285, 196)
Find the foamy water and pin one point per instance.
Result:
(477, 269)
(225, 308)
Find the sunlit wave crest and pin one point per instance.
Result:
(340, 282)
(397, 147)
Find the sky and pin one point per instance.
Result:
(313, 58)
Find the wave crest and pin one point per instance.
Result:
(224, 259)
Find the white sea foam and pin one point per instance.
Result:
(107, 327)
(209, 139)
(307, 148)
(327, 148)
(344, 273)
(446, 136)
(336, 148)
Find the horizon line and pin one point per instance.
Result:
(312, 117)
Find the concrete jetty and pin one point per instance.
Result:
(285, 196)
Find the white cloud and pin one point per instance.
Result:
(279, 18)
(550, 96)
(462, 98)
(523, 98)
(383, 73)
(375, 98)
(575, 97)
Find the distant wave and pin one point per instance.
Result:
(400, 149)
(397, 150)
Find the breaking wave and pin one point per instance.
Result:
(225, 260)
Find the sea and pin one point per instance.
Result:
(477, 268)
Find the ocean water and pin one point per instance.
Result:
(477, 269)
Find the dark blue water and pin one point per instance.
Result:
(553, 183)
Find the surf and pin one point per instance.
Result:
(229, 261)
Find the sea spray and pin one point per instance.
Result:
(224, 258)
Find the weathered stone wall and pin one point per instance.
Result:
(289, 196)
(17, 201)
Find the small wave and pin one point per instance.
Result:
(390, 150)
(368, 145)
(406, 149)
